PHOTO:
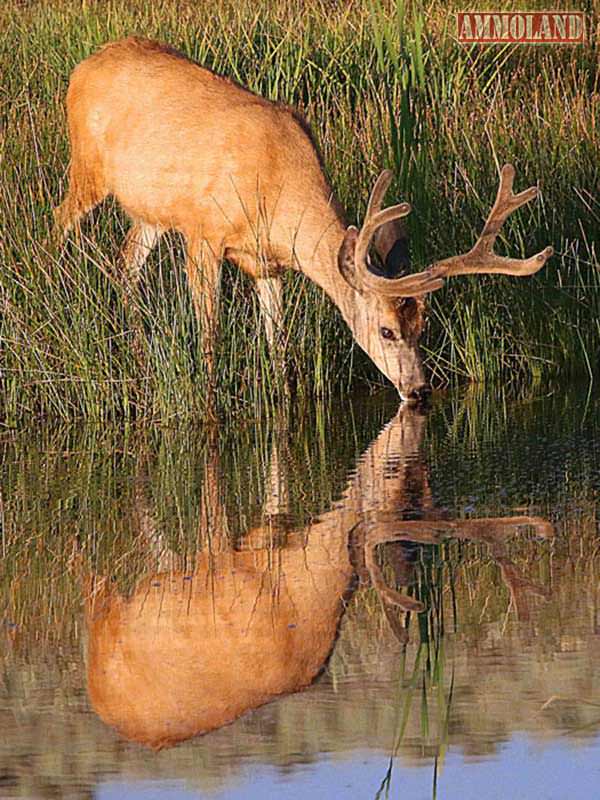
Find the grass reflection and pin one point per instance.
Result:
(508, 638)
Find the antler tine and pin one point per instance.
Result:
(409, 286)
(387, 595)
(481, 258)
(382, 184)
(368, 231)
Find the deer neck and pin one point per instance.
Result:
(316, 256)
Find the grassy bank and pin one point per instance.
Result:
(382, 85)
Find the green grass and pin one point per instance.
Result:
(383, 85)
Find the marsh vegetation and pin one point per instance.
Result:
(382, 85)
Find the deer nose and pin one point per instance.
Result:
(419, 394)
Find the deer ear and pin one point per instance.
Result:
(391, 245)
(346, 263)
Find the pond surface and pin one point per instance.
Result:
(358, 601)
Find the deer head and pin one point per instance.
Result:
(388, 314)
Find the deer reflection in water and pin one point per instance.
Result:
(188, 652)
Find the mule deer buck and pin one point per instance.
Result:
(190, 650)
(240, 177)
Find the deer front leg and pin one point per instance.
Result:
(271, 309)
(276, 506)
(213, 523)
(203, 267)
(136, 247)
(270, 299)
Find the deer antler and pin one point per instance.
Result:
(409, 286)
(480, 258)
(387, 595)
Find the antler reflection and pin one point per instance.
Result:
(190, 650)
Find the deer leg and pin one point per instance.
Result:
(213, 516)
(202, 269)
(148, 530)
(83, 194)
(271, 308)
(276, 504)
(277, 491)
(69, 213)
(136, 247)
(270, 299)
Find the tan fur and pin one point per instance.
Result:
(188, 652)
(167, 138)
(182, 657)
(240, 177)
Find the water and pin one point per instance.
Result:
(356, 602)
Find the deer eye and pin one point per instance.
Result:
(388, 334)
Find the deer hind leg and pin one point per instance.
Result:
(86, 189)
(148, 529)
(203, 268)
